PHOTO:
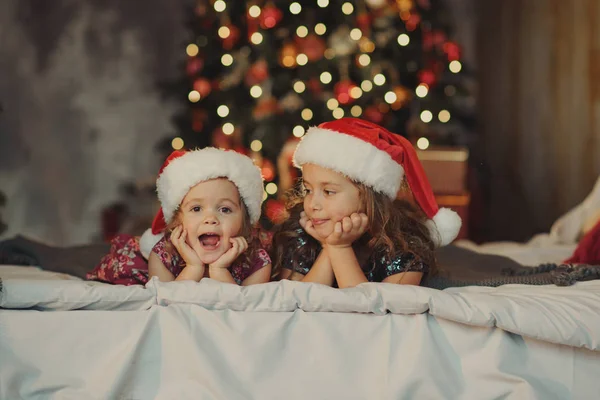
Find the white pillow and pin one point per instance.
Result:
(30, 287)
(288, 295)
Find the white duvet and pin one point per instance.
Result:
(187, 340)
(562, 315)
(63, 338)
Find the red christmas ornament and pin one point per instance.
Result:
(342, 91)
(313, 46)
(275, 211)
(202, 86)
(413, 21)
(194, 65)
(257, 73)
(363, 21)
(427, 77)
(270, 16)
(452, 50)
(234, 35)
(268, 170)
(373, 114)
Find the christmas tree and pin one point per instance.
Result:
(257, 73)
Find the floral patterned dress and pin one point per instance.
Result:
(125, 265)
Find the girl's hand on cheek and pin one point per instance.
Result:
(189, 253)
(348, 230)
(238, 246)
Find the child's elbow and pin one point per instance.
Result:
(405, 278)
(263, 275)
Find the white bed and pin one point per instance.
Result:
(62, 338)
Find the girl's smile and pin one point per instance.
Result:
(212, 215)
(329, 197)
(210, 241)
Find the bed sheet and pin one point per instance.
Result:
(561, 315)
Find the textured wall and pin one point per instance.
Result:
(82, 112)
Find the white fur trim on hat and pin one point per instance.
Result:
(147, 242)
(197, 166)
(352, 157)
(444, 226)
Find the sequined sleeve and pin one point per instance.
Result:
(405, 262)
(292, 259)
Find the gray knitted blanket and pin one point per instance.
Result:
(461, 267)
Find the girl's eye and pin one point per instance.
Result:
(329, 192)
(305, 191)
(226, 210)
(196, 209)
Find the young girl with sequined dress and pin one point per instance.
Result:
(362, 212)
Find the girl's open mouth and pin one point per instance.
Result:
(210, 241)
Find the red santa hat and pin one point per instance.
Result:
(183, 170)
(368, 153)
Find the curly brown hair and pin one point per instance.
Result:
(247, 231)
(395, 227)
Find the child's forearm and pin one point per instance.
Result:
(158, 269)
(191, 273)
(345, 266)
(321, 271)
(263, 275)
(221, 274)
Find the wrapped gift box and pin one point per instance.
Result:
(446, 169)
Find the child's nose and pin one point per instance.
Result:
(211, 220)
(314, 203)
